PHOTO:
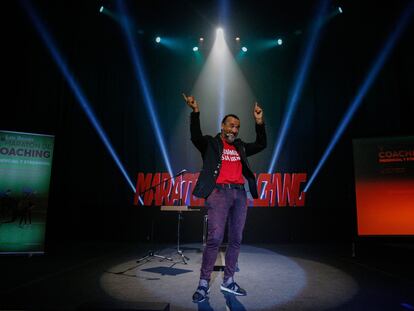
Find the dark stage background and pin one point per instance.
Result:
(90, 199)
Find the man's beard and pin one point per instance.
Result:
(229, 137)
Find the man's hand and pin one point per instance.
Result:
(258, 113)
(190, 100)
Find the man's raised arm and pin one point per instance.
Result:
(196, 135)
(261, 140)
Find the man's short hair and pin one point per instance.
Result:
(229, 115)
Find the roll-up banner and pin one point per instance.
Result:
(25, 169)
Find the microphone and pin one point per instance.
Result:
(180, 172)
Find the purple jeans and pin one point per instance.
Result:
(224, 204)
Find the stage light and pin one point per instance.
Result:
(195, 49)
(373, 73)
(201, 39)
(219, 31)
(279, 41)
(237, 39)
(143, 82)
(170, 43)
(244, 49)
(109, 13)
(300, 80)
(80, 96)
(336, 10)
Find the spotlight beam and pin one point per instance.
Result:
(220, 46)
(142, 80)
(297, 90)
(369, 80)
(82, 100)
(222, 95)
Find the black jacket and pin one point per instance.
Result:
(211, 149)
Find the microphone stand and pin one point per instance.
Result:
(180, 217)
(151, 253)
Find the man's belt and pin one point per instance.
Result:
(230, 186)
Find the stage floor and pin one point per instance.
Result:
(276, 277)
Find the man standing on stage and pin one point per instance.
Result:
(221, 183)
